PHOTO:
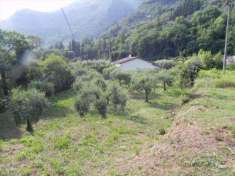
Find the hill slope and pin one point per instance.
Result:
(162, 29)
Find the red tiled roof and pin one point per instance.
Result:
(124, 60)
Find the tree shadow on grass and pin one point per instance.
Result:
(55, 111)
(8, 128)
(137, 119)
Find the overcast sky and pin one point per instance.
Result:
(9, 7)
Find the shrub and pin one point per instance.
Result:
(62, 142)
(102, 106)
(166, 79)
(82, 105)
(122, 77)
(162, 131)
(209, 61)
(118, 97)
(44, 86)
(165, 64)
(35, 145)
(144, 84)
(57, 72)
(100, 83)
(189, 72)
(88, 79)
(206, 58)
(108, 72)
(225, 83)
(34, 72)
(3, 102)
(27, 106)
(78, 84)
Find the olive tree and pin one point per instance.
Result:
(166, 79)
(144, 84)
(189, 72)
(101, 105)
(57, 72)
(44, 86)
(12, 49)
(27, 106)
(118, 97)
(89, 94)
(82, 105)
(122, 77)
(165, 64)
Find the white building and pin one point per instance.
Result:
(134, 64)
(230, 60)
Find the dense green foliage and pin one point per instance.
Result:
(144, 84)
(160, 30)
(166, 78)
(56, 71)
(173, 34)
(27, 106)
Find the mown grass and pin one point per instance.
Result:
(65, 144)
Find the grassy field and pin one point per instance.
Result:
(65, 144)
(199, 140)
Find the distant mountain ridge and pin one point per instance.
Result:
(88, 18)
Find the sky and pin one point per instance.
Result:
(9, 7)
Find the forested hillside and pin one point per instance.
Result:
(161, 30)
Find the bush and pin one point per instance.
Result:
(102, 106)
(166, 79)
(57, 72)
(122, 77)
(90, 78)
(118, 97)
(165, 64)
(27, 106)
(189, 72)
(3, 102)
(44, 86)
(162, 131)
(225, 83)
(108, 72)
(209, 61)
(78, 84)
(82, 105)
(62, 142)
(144, 84)
(100, 83)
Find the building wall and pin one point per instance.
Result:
(136, 65)
(231, 60)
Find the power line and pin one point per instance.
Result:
(69, 26)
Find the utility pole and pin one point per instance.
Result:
(228, 4)
(69, 26)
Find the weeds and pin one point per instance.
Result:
(62, 142)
